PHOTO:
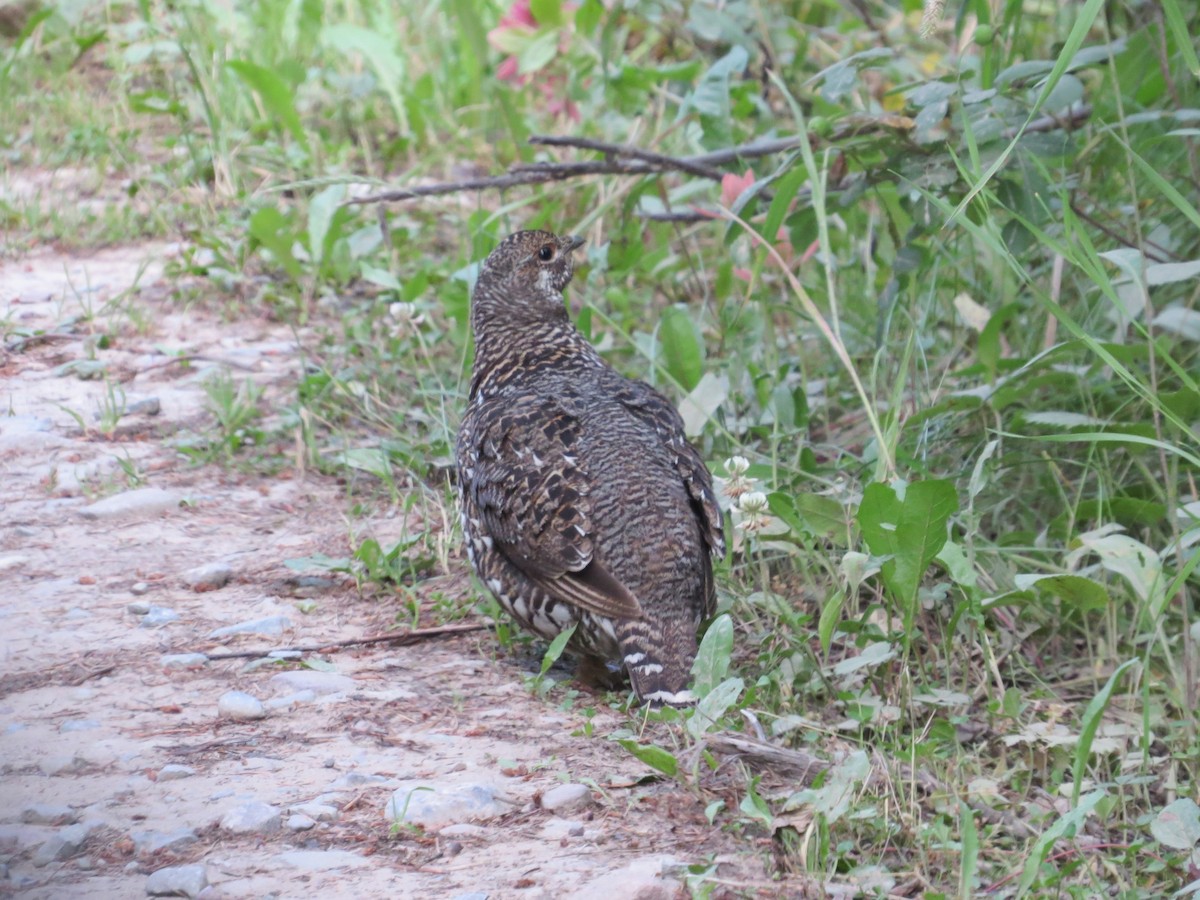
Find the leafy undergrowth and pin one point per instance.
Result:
(941, 352)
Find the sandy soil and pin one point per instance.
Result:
(90, 713)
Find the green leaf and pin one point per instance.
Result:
(970, 851)
(654, 757)
(322, 209)
(1082, 593)
(682, 351)
(270, 228)
(712, 661)
(713, 706)
(547, 12)
(1091, 722)
(587, 17)
(710, 98)
(1067, 826)
(318, 561)
(556, 648)
(276, 96)
(388, 65)
(538, 52)
(831, 615)
(1177, 825)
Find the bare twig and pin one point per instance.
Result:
(194, 357)
(660, 160)
(400, 638)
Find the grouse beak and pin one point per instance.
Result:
(574, 242)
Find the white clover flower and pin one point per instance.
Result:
(736, 466)
(753, 503)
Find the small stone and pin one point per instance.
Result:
(352, 780)
(48, 814)
(138, 607)
(241, 706)
(139, 588)
(183, 660)
(174, 771)
(78, 725)
(418, 805)
(300, 823)
(209, 577)
(140, 503)
(178, 881)
(148, 407)
(146, 843)
(319, 812)
(63, 845)
(157, 616)
(254, 817)
(312, 680)
(564, 797)
(269, 625)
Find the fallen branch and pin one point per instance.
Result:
(400, 638)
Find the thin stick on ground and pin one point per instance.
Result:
(400, 638)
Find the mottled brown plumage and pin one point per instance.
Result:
(582, 502)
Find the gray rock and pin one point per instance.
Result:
(178, 881)
(241, 706)
(157, 616)
(174, 771)
(183, 660)
(352, 780)
(269, 625)
(254, 817)
(312, 680)
(137, 607)
(146, 843)
(418, 805)
(300, 823)
(22, 837)
(138, 588)
(320, 812)
(148, 407)
(63, 845)
(642, 878)
(141, 503)
(48, 814)
(209, 577)
(565, 797)
(78, 725)
(319, 860)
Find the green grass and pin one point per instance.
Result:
(965, 382)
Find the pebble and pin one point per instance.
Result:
(146, 843)
(157, 616)
(138, 607)
(147, 407)
(183, 660)
(269, 625)
(174, 771)
(178, 881)
(138, 588)
(316, 811)
(12, 561)
(418, 805)
(140, 503)
(312, 680)
(254, 817)
(63, 845)
(48, 814)
(208, 577)
(352, 780)
(241, 706)
(300, 823)
(565, 797)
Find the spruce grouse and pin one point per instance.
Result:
(582, 501)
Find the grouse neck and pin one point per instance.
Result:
(514, 352)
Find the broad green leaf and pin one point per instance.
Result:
(712, 661)
(713, 706)
(1075, 590)
(1092, 717)
(831, 615)
(270, 228)
(683, 353)
(654, 757)
(1177, 825)
(1067, 826)
(321, 211)
(276, 96)
(547, 12)
(538, 52)
(556, 648)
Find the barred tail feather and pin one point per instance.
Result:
(659, 663)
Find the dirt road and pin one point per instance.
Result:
(136, 761)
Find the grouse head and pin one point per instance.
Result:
(532, 260)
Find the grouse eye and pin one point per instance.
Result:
(546, 253)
